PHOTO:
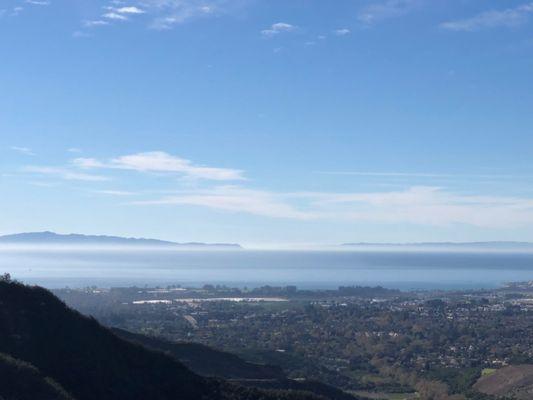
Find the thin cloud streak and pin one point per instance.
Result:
(170, 13)
(418, 205)
(23, 150)
(416, 174)
(277, 28)
(159, 161)
(95, 23)
(65, 173)
(114, 192)
(508, 18)
(384, 10)
(235, 200)
(38, 2)
(129, 10)
(115, 16)
(341, 32)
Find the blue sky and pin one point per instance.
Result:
(268, 122)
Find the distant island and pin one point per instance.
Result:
(52, 238)
(496, 245)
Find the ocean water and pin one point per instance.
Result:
(57, 268)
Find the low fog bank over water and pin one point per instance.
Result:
(56, 267)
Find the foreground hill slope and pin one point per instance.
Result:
(194, 356)
(22, 381)
(513, 381)
(229, 366)
(90, 362)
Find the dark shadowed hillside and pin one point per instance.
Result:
(319, 388)
(90, 362)
(194, 356)
(229, 366)
(22, 381)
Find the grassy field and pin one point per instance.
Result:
(488, 371)
(386, 396)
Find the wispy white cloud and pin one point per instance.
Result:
(395, 174)
(94, 23)
(21, 5)
(81, 35)
(168, 22)
(341, 32)
(435, 206)
(236, 200)
(419, 205)
(38, 2)
(23, 150)
(65, 173)
(510, 17)
(129, 10)
(44, 184)
(118, 12)
(115, 16)
(277, 28)
(121, 13)
(384, 174)
(15, 12)
(169, 13)
(157, 14)
(120, 193)
(84, 162)
(387, 9)
(159, 161)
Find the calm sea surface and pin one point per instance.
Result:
(305, 269)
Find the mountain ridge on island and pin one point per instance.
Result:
(51, 238)
(496, 245)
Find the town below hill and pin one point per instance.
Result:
(369, 342)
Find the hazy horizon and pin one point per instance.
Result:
(78, 267)
(57, 241)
